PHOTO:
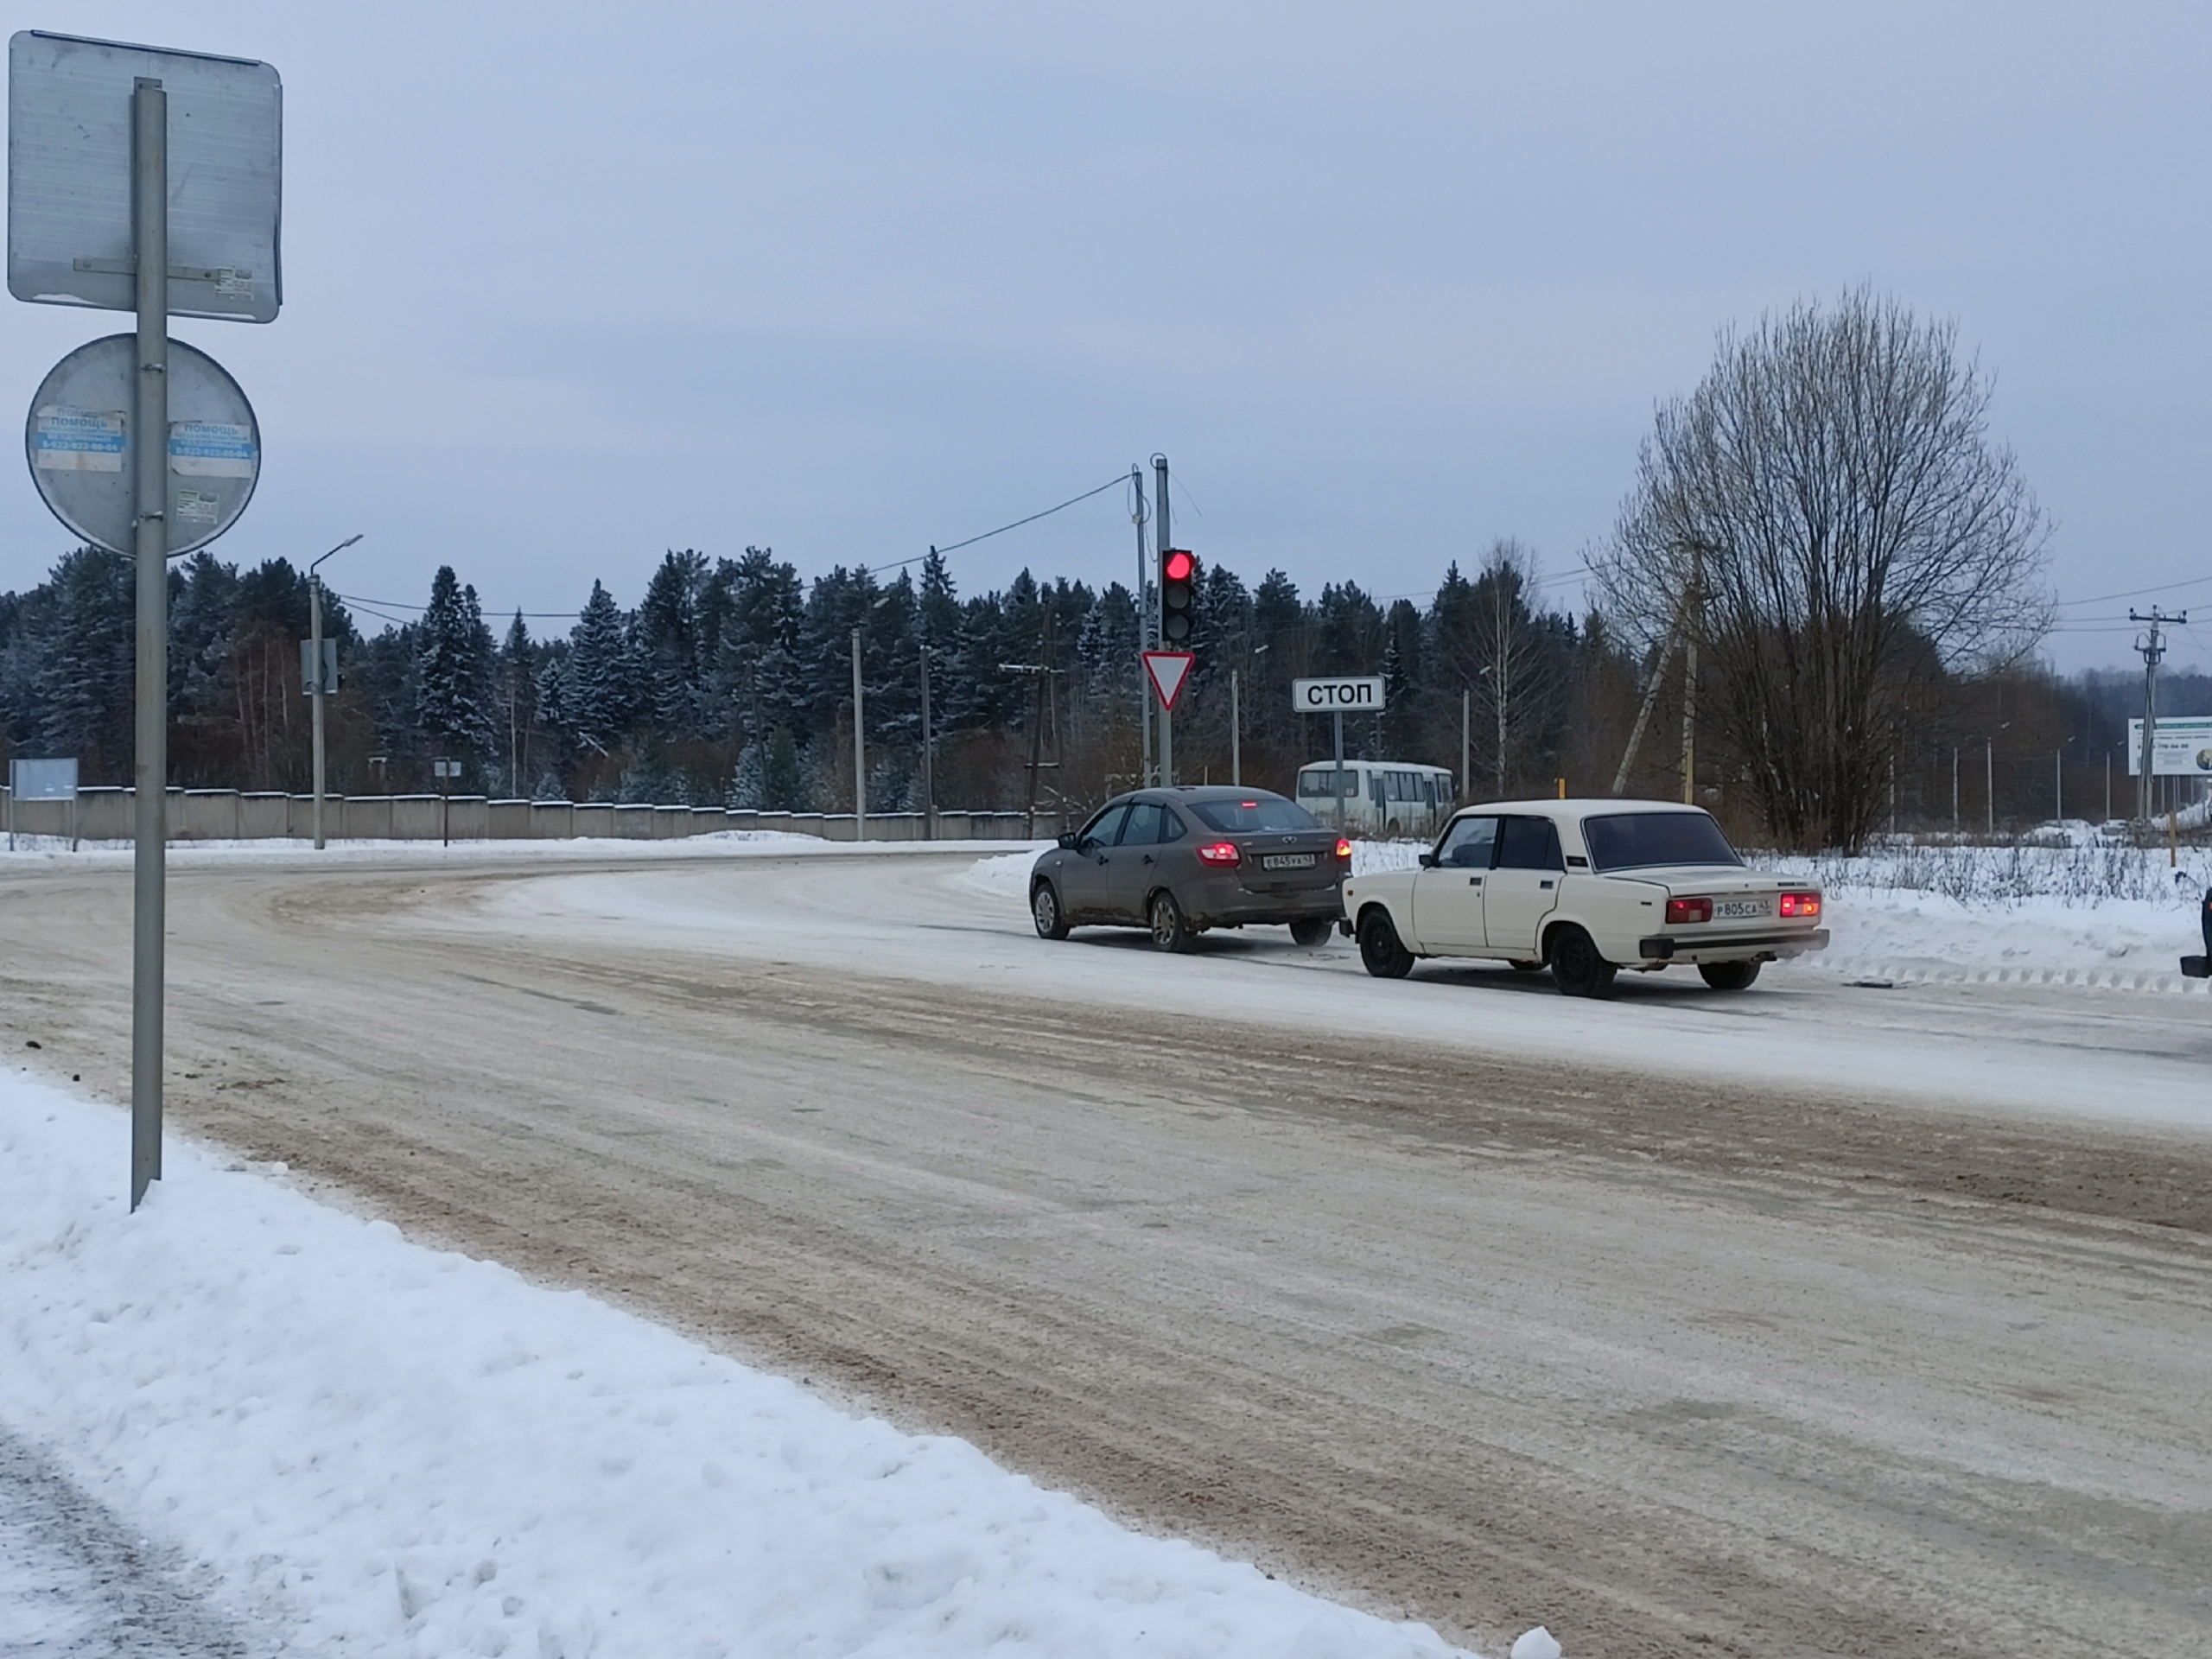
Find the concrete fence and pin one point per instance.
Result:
(229, 815)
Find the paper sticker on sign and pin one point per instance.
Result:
(211, 449)
(76, 439)
(198, 507)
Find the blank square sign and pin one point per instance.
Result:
(69, 238)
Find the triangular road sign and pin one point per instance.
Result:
(1170, 671)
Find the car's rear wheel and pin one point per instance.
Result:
(1314, 930)
(1170, 932)
(1728, 975)
(1381, 951)
(1045, 910)
(1576, 969)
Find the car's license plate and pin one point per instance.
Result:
(1735, 910)
(1288, 861)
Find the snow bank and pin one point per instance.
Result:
(383, 1449)
(35, 850)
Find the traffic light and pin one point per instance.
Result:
(1178, 594)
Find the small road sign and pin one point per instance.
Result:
(326, 683)
(1169, 672)
(69, 238)
(42, 780)
(78, 440)
(1345, 695)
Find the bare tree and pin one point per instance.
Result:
(1827, 517)
(1511, 661)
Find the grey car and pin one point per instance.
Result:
(1178, 861)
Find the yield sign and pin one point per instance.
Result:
(1170, 670)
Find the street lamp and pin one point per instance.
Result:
(321, 686)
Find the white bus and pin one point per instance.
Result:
(1381, 798)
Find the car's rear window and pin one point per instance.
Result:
(1259, 813)
(1638, 841)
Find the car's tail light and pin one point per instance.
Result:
(1688, 910)
(1343, 849)
(1222, 854)
(1806, 905)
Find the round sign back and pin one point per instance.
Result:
(81, 447)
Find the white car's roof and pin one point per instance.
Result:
(1577, 807)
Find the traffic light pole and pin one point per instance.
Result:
(1162, 540)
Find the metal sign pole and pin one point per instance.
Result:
(149, 119)
(1339, 720)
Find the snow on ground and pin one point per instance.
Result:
(379, 1448)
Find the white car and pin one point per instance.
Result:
(1588, 889)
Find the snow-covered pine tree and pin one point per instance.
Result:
(83, 671)
(667, 642)
(599, 696)
(748, 785)
(453, 659)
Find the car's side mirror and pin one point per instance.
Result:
(1067, 840)
(1429, 861)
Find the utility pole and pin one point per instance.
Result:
(1682, 629)
(929, 756)
(1043, 672)
(1954, 789)
(1236, 736)
(1163, 540)
(1466, 744)
(859, 748)
(1689, 720)
(2152, 644)
(1989, 781)
(320, 689)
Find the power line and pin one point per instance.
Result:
(1117, 480)
(2134, 593)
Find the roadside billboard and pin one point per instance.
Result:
(2182, 747)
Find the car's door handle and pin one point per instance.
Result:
(1545, 885)
(1147, 858)
(1474, 880)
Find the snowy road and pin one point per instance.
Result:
(1905, 1352)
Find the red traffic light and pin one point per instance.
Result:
(1178, 565)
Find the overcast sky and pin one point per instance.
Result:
(568, 285)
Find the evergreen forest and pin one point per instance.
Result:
(730, 681)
